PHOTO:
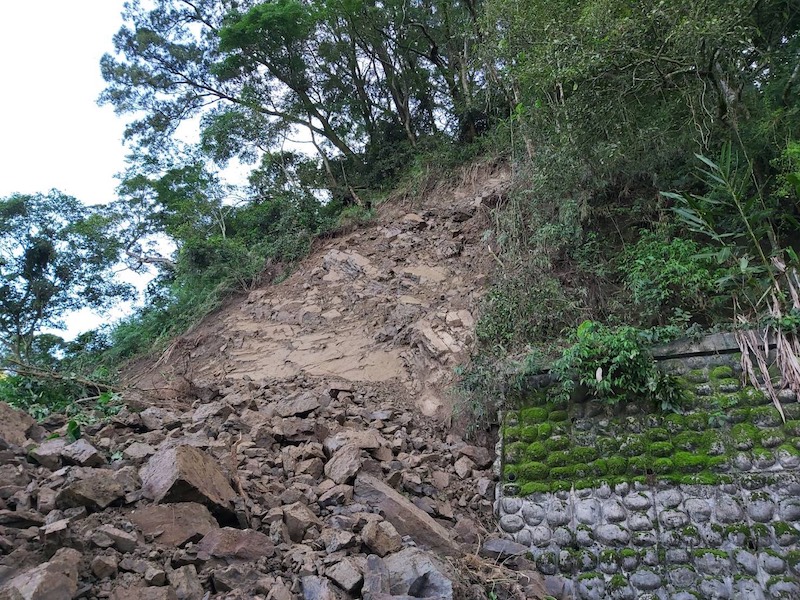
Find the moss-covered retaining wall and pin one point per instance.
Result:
(630, 502)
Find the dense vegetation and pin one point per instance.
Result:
(656, 152)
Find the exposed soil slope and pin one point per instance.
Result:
(394, 301)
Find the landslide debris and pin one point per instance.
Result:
(286, 448)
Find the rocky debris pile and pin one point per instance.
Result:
(393, 301)
(273, 489)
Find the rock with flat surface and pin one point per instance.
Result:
(15, 426)
(319, 588)
(174, 524)
(122, 540)
(298, 406)
(104, 566)
(381, 537)
(56, 579)
(48, 453)
(499, 548)
(344, 464)
(186, 583)
(96, 492)
(345, 574)
(418, 574)
(298, 518)
(83, 454)
(406, 518)
(186, 474)
(234, 545)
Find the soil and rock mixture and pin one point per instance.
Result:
(293, 445)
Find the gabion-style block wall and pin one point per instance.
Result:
(631, 502)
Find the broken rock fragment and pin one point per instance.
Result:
(15, 426)
(174, 524)
(96, 491)
(344, 464)
(83, 454)
(404, 515)
(233, 545)
(56, 579)
(185, 474)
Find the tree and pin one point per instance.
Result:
(352, 75)
(55, 257)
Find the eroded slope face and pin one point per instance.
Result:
(395, 301)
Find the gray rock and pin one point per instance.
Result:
(612, 535)
(682, 577)
(670, 498)
(418, 574)
(711, 564)
(673, 519)
(614, 512)
(533, 514)
(563, 537)
(587, 512)
(640, 522)
(747, 562)
(749, 589)
(511, 523)
(511, 505)
(637, 501)
(728, 510)
(502, 549)
(558, 515)
(714, 588)
(345, 574)
(699, 509)
(541, 535)
(593, 588)
(761, 511)
(772, 564)
(790, 509)
(646, 580)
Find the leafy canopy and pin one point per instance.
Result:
(55, 257)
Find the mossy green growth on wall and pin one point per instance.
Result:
(550, 446)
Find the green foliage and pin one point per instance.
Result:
(55, 256)
(613, 365)
(668, 278)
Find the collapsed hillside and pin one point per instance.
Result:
(291, 445)
(394, 301)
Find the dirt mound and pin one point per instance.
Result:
(394, 301)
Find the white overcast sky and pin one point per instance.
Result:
(52, 133)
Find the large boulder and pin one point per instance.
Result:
(186, 474)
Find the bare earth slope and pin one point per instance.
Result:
(392, 302)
